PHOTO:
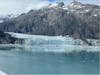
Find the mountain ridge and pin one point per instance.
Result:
(77, 20)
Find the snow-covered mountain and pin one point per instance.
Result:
(76, 7)
(77, 20)
(6, 17)
(3, 18)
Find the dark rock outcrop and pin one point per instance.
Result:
(77, 20)
(8, 39)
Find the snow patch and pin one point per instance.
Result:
(87, 10)
(2, 73)
(75, 5)
(1, 21)
(65, 8)
(95, 15)
(53, 5)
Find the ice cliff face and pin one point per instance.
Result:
(47, 40)
(52, 40)
(77, 20)
(41, 43)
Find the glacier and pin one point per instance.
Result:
(47, 40)
(40, 43)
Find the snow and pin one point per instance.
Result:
(2, 73)
(75, 6)
(65, 8)
(53, 5)
(95, 15)
(87, 10)
(1, 21)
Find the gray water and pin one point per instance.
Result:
(22, 62)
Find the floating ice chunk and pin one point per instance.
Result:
(2, 73)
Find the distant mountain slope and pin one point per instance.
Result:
(76, 19)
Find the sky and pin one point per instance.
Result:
(22, 6)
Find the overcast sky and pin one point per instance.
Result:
(20, 6)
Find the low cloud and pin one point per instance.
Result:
(37, 5)
(20, 6)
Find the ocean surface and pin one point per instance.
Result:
(36, 60)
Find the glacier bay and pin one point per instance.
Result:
(71, 44)
(49, 55)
